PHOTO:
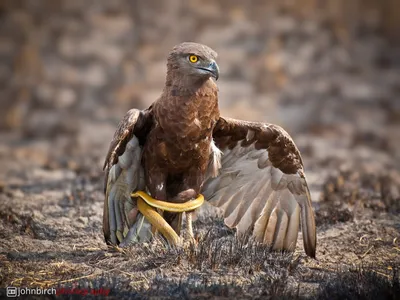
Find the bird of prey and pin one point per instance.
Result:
(180, 149)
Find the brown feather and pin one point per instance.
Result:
(172, 150)
(136, 124)
(178, 146)
(254, 151)
(175, 136)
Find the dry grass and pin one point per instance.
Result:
(364, 282)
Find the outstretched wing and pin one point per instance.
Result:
(261, 186)
(123, 172)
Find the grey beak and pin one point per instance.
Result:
(214, 70)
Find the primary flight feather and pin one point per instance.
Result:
(181, 147)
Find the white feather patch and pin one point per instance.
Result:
(215, 160)
(197, 122)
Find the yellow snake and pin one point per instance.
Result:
(146, 205)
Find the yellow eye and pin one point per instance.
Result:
(193, 58)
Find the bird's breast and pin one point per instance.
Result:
(178, 154)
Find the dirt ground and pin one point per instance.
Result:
(50, 226)
(71, 73)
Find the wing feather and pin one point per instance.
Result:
(235, 209)
(261, 185)
(123, 173)
(280, 232)
(255, 207)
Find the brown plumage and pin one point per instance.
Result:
(173, 150)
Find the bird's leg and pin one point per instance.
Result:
(147, 206)
(191, 189)
(189, 224)
(176, 223)
(175, 219)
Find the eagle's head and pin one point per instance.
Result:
(193, 60)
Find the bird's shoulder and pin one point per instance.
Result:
(135, 122)
(282, 151)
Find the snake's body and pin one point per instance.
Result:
(147, 205)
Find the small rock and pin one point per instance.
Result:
(83, 220)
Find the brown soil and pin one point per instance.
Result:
(50, 228)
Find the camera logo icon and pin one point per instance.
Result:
(12, 292)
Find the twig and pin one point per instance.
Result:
(366, 252)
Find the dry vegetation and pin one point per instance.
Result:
(71, 69)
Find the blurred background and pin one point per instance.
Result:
(326, 70)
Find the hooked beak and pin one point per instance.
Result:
(212, 69)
